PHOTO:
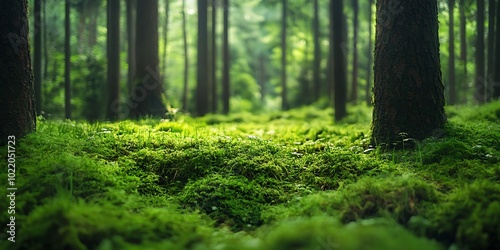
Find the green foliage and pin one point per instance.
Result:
(284, 180)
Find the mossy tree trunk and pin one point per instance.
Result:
(480, 81)
(317, 54)
(225, 57)
(284, 90)
(17, 115)
(408, 89)
(368, 89)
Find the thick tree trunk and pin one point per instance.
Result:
(37, 58)
(451, 57)
(17, 115)
(225, 57)
(202, 102)
(113, 53)
(496, 78)
(408, 91)
(67, 61)
(186, 59)
(146, 98)
(317, 54)
(339, 62)
(284, 91)
(354, 86)
(368, 88)
(480, 81)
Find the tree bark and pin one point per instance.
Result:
(284, 91)
(146, 98)
(67, 61)
(451, 52)
(408, 89)
(186, 59)
(339, 62)
(354, 86)
(463, 46)
(480, 81)
(202, 102)
(17, 115)
(113, 53)
(368, 89)
(225, 57)
(213, 58)
(131, 22)
(491, 49)
(37, 58)
(496, 78)
(165, 38)
(317, 53)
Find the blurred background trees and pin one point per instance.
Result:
(237, 62)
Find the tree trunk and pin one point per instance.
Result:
(491, 49)
(17, 115)
(317, 53)
(408, 89)
(451, 52)
(354, 86)
(225, 57)
(214, 57)
(368, 89)
(186, 59)
(67, 61)
(339, 62)
(202, 102)
(210, 69)
(147, 93)
(165, 38)
(131, 22)
(45, 47)
(480, 81)
(113, 53)
(37, 58)
(284, 92)
(262, 74)
(496, 78)
(463, 46)
(93, 15)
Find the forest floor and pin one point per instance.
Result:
(287, 180)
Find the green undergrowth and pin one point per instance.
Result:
(286, 180)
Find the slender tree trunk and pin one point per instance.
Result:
(202, 102)
(131, 22)
(354, 87)
(317, 53)
(45, 42)
(37, 58)
(113, 51)
(225, 57)
(368, 89)
(210, 69)
(93, 15)
(284, 91)
(463, 46)
(262, 71)
(496, 78)
(214, 57)
(491, 49)
(165, 38)
(339, 62)
(451, 52)
(147, 94)
(186, 59)
(67, 61)
(480, 80)
(17, 115)
(408, 89)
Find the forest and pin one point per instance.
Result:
(250, 124)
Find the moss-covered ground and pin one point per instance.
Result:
(287, 180)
